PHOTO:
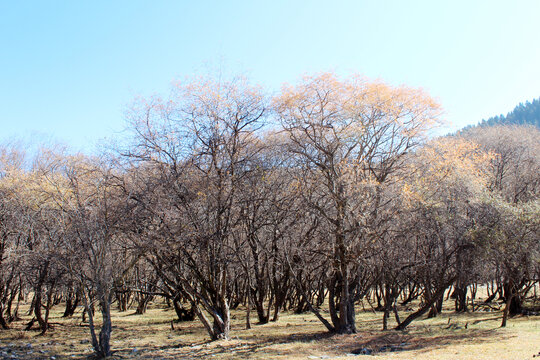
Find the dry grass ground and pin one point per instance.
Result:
(450, 336)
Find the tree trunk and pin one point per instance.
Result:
(222, 323)
(506, 309)
(48, 308)
(515, 306)
(3, 323)
(346, 307)
(396, 314)
(142, 303)
(427, 305)
(37, 310)
(281, 295)
(259, 306)
(460, 294)
(106, 329)
(385, 318)
(71, 304)
(248, 311)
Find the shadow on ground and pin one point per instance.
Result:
(335, 345)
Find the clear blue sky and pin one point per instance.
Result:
(68, 69)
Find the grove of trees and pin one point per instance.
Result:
(326, 197)
(527, 113)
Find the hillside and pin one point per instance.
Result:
(523, 114)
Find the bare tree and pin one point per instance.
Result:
(89, 193)
(512, 227)
(349, 138)
(197, 147)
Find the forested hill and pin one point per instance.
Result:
(523, 114)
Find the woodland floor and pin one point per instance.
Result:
(295, 336)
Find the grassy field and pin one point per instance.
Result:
(449, 336)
